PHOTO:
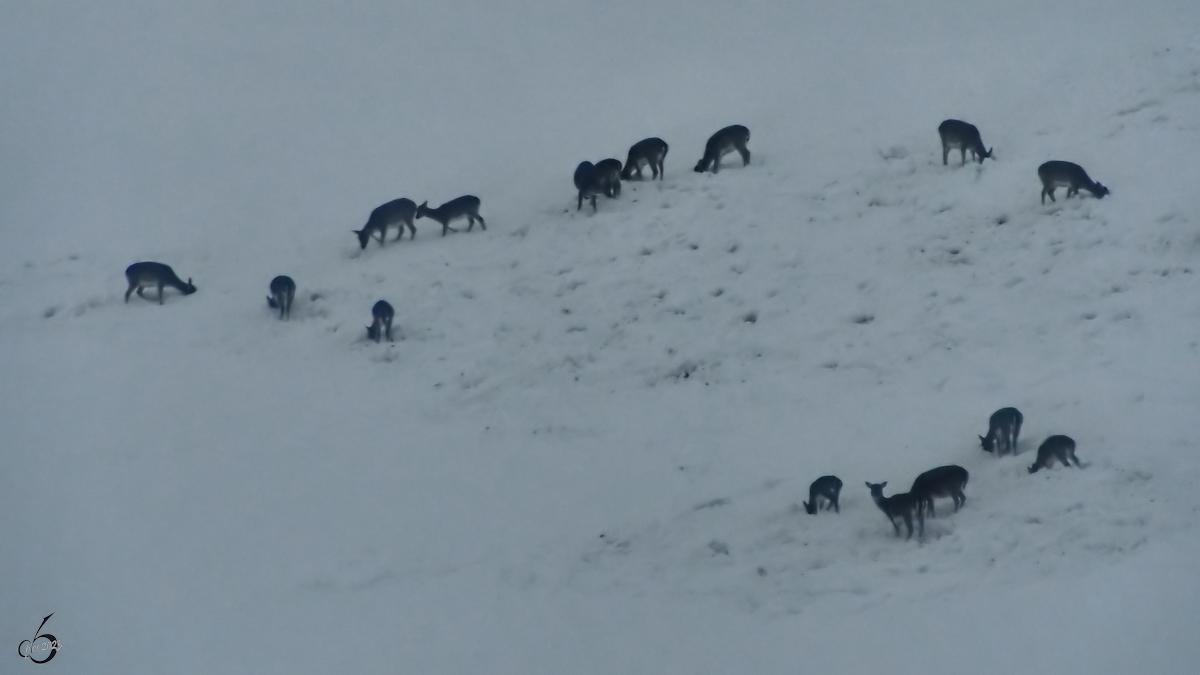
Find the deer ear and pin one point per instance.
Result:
(883, 484)
(867, 484)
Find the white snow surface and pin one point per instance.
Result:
(586, 449)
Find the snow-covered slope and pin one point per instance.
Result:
(586, 450)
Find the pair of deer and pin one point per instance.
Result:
(283, 290)
(604, 177)
(944, 481)
(1053, 174)
(401, 212)
(1004, 428)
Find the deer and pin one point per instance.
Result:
(722, 143)
(383, 313)
(607, 174)
(964, 136)
(586, 184)
(1004, 427)
(283, 290)
(944, 481)
(1056, 174)
(398, 212)
(1057, 448)
(650, 151)
(466, 206)
(903, 506)
(143, 274)
(823, 493)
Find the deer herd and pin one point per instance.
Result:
(604, 178)
(1004, 428)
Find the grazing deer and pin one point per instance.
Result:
(586, 183)
(823, 492)
(143, 274)
(1056, 448)
(398, 212)
(722, 143)
(1004, 427)
(898, 507)
(466, 206)
(1056, 174)
(283, 290)
(944, 481)
(608, 176)
(651, 151)
(383, 313)
(959, 134)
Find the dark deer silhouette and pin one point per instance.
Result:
(1059, 449)
(1056, 174)
(944, 481)
(823, 493)
(1004, 427)
(283, 290)
(903, 506)
(722, 143)
(143, 274)
(652, 152)
(959, 134)
(466, 206)
(383, 313)
(398, 212)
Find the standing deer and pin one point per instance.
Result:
(1004, 427)
(823, 493)
(143, 274)
(398, 212)
(608, 176)
(466, 206)
(1056, 174)
(959, 134)
(944, 481)
(899, 507)
(1059, 449)
(383, 313)
(652, 152)
(283, 290)
(722, 143)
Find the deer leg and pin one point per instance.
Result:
(964, 155)
(895, 525)
(593, 203)
(907, 524)
(482, 225)
(470, 222)
(745, 153)
(130, 291)
(160, 293)
(945, 154)
(141, 294)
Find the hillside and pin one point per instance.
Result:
(586, 450)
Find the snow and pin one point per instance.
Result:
(587, 448)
